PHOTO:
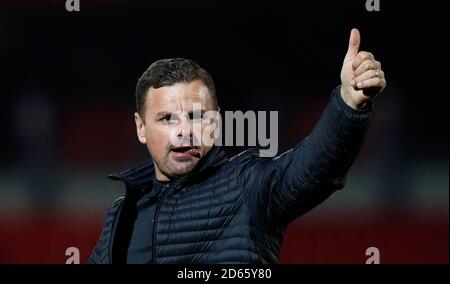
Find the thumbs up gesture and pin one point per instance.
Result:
(361, 75)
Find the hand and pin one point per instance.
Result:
(361, 75)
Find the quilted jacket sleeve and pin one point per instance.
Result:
(289, 185)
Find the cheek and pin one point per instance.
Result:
(205, 133)
(157, 140)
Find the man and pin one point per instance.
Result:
(190, 204)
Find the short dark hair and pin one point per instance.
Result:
(167, 72)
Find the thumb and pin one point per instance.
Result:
(353, 45)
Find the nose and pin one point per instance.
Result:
(184, 129)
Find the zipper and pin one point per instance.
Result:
(158, 207)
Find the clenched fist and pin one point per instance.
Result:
(361, 75)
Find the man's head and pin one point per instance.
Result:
(167, 94)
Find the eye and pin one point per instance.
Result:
(167, 119)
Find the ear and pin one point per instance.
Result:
(140, 128)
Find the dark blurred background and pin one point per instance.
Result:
(67, 100)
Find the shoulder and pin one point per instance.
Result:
(246, 156)
(113, 208)
(251, 159)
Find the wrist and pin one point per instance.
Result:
(351, 102)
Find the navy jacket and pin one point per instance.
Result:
(237, 210)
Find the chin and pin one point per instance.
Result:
(184, 169)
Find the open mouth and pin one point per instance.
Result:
(186, 151)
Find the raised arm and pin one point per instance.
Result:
(287, 186)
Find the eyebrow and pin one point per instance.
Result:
(168, 113)
(163, 114)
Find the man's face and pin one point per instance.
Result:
(174, 138)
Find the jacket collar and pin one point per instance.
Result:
(143, 174)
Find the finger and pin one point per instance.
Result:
(367, 75)
(361, 57)
(372, 82)
(366, 65)
(353, 45)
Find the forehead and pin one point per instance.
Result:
(178, 97)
